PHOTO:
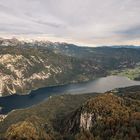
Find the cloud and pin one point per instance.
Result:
(84, 21)
(130, 33)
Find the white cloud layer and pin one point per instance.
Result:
(94, 22)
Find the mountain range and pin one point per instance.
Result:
(25, 66)
(28, 65)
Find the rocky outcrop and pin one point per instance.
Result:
(102, 116)
(86, 121)
(2, 117)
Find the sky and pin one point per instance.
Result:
(84, 22)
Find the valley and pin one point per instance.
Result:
(60, 91)
(132, 73)
(69, 70)
(100, 85)
(25, 66)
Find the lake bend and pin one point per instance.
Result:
(99, 85)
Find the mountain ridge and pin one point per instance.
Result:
(26, 66)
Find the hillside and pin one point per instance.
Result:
(105, 117)
(112, 115)
(25, 67)
(29, 65)
(51, 112)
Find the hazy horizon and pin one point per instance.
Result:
(88, 23)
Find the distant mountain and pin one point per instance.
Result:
(29, 65)
(112, 115)
(125, 46)
(10, 42)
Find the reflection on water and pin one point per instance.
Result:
(109, 83)
(100, 85)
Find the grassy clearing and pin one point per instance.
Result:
(133, 74)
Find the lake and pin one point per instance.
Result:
(100, 85)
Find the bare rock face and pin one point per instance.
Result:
(86, 121)
(2, 117)
(17, 74)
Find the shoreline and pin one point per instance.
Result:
(69, 92)
(69, 83)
